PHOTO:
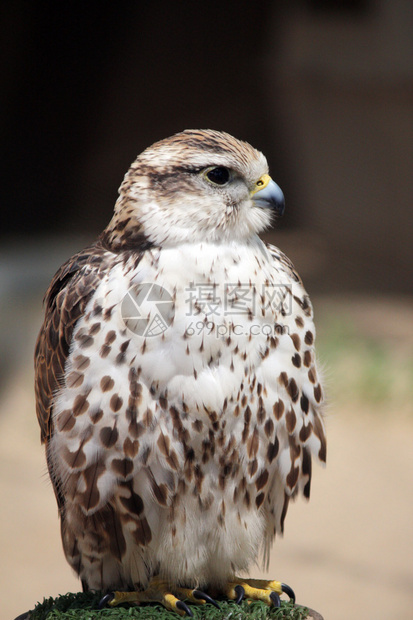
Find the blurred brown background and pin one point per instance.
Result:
(325, 89)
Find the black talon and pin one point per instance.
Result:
(105, 600)
(240, 592)
(289, 591)
(185, 608)
(205, 597)
(275, 599)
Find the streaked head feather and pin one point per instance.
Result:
(166, 200)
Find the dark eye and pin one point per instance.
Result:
(218, 175)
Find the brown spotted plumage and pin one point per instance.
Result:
(175, 453)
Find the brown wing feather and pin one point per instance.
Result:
(284, 260)
(65, 301)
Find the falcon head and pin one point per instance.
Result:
(198, 185)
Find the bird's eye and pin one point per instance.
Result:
(219, 175)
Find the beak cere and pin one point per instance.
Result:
(267, 195)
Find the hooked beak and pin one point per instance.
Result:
(267, 195)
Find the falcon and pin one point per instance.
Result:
(176, 383)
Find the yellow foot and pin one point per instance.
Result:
(258, 590)
(160, 591)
